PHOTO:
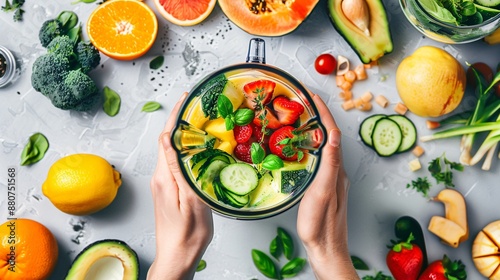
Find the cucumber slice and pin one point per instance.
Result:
(366, 128)
(488, 3)
(227, 197)
(223, 156)
(408, 130)
(239, 178)
(212, 171)
(386, 137)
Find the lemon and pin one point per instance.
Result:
(430, 82)
(81, 184)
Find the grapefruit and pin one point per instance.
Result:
(430, 82)
(185, 12)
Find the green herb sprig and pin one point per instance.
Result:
(16, 7)
(261, 161)
(239, 117)
(378, 276)
(282, 244)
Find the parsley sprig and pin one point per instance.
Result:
(441, 169)
(16, 7)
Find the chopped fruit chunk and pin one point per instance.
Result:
(288, 111)
(266, 118)
(242, 133)
(242, 152)
(283, 143)
(258, 93)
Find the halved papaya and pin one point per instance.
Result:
(267, 17)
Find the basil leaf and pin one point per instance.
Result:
(74, 33)
(201, 265)
(292, 268)
(272, 162)
(358, 263)
(286, 242)
(151, 106)
(275, 247)
(264, 264)
(224, 106)
(257, 153)
(243, 116)
(35, 149)
(300, 155)
(156, 62)
(68, 20)
(112, 102)
(229, 123)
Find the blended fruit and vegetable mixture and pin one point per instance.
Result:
(257, 152)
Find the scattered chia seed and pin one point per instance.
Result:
(3, 65)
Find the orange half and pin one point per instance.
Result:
(122, 29)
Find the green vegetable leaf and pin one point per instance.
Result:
(257, 153)
(264, 264)
(288, 151)
(201, 265)
(443, 176)
(358, 263)
(243, 116)
(74, 33)
(112, 102)
(224, 106)
(275, 248)
(35, 149)
(156, 62)
(438, 11)
(293, 267)
(285, 141)
(151, 106)
(286, 243)
(7, 7)
(378, 276)
(272, 162)
(83, 1)
(68, 20)
(421, 185)
(229, 123)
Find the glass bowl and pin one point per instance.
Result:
(206, 147)
(446, 32)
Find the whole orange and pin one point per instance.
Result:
(28, 250)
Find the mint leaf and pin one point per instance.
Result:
(35, 149)
(112, 102)
(151, 106)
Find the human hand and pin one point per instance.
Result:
(322, 216)
(184, 225)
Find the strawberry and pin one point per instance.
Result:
(283, 143)
(444, 269)
(242, 152)
(259, 135)
(242, 133)
(258, 93)
(288, 111)
(405, 260)
(267, 118)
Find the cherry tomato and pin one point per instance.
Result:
(482, 68)
(325, 64)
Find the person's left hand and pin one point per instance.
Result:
(184, 225)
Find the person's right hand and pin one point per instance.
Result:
(322, 216)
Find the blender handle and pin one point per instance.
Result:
(256, 51)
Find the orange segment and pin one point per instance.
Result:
(122, 29)
(35, 250)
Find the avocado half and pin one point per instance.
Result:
(107, 259)
(368, 47)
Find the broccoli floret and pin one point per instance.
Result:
(77, 92)
(62, 46)
(50, 29)
(88, 56)
(49, 70)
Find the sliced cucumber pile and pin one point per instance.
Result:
(388, 134)
(234, 184)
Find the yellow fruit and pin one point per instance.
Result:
(430, 82)
(227, 147)
(217, 128)
(81, 184)
(195, 116)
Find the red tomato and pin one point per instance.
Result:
(325, 64)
